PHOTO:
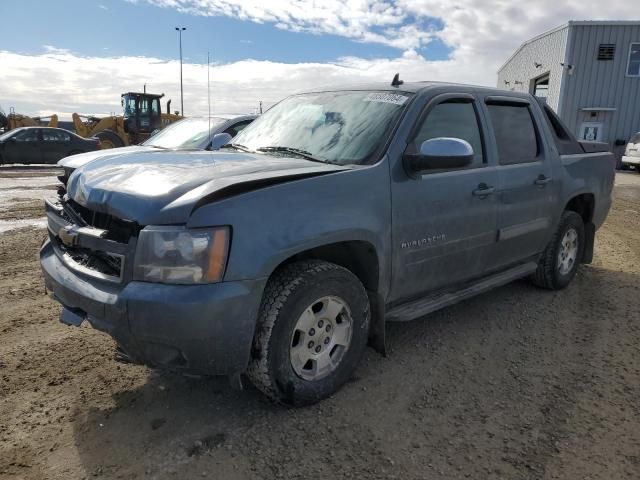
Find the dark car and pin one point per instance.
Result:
(42, 145)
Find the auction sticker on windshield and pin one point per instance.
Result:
(386, 98)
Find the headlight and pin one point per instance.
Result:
(179, 255)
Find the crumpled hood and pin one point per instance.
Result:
(80, 159)
(162, 187)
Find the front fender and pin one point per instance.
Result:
(274, 223)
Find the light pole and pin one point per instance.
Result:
(180, 30)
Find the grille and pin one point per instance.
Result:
(107, 265)
(606, 51)
(117, 229)
(98, 253)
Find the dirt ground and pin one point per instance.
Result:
(517, 383)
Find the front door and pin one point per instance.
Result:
(444, 222)
(23, 147)
(525, 184)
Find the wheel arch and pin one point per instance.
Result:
(584, 205)
(361, 258)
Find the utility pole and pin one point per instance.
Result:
(180, 30)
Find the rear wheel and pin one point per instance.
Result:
(312, 332)
(109, 139)
(563, 254)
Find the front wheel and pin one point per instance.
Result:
(563, 254)
(109, 139)
(312, 331)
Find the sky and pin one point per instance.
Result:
(80, 55)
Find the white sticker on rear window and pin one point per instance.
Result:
(386, 98)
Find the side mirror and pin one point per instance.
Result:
(439, 153)
(13, 139)
(218, 140)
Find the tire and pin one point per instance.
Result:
(303, 293)
(555, 270)
(109, 139)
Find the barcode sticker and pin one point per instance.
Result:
(386, 98)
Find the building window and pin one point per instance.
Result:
(633, 67)
(606, 51)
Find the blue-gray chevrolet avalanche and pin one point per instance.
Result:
(282, 255)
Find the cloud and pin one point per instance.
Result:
(486, 27)
(372, 21)
(92, 85)
(481, 34)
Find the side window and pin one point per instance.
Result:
(30, 135)
(237, 128)
(453, 119)
(51, 136)
(633, 66)
(515, 133)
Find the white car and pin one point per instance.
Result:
(631, 157)
(192, 133)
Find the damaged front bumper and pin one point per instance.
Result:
(198, 329)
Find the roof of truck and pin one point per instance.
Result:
(411, 87)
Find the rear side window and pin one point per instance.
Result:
(565, 142)
(515, 133)
(55, 136)
(453, 119)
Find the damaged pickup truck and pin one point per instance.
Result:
(282, 255)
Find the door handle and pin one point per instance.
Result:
(483, 190)
(542, 180)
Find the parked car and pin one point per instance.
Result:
(631, 157)
(193, 133)
(42, 145)
(284, 253)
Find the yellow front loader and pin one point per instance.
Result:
(142, 116)
(16, 120)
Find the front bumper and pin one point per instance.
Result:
(199, 329)
(627, 160)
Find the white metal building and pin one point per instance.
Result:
(589, 72)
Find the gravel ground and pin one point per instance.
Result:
(517, 383)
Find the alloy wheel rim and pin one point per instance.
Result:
(568, 252)
(320, 338)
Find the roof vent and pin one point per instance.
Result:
(606, 51)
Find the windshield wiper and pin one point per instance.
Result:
(295, 151)
(237, 146)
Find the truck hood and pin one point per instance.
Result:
(163, 187)
(76, 161)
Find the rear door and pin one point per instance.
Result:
(25, 148)
(444, 225)
(56, 145)
(525, 183)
